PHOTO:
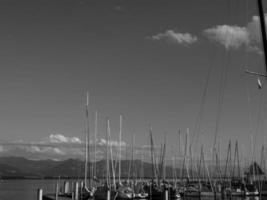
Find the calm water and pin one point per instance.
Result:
(27, 189)
(24, 189)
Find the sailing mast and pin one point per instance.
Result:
(111, 156)
(120, 133)
(107, 157)
(96, 130)
(154, 173)
(263, 32)
(87, 139)
(86, 162)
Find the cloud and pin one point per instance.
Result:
(178, 38)
(113, 143)
(236, 37)
(228, 36)
(34, 149)
(56, 146)
(45, 150)
(59, 138)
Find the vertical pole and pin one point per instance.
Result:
(120, 133)
(66, 187)
(76, 196)
(86, 161)
(96, 130)
(111, 157)
(107, 156)
(263, 31)
(179, 154)
(166, 195)
(186, 153)
(57, 189)
(150, 190)
(40, 194)
(108, 194)
(88, 140)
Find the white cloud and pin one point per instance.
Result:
(228, 36)
(235, 37)
(113, 143)
(57, 151)
(55, 146)
(59, 138)
(33, 149)
(44, 150)
(179, 38)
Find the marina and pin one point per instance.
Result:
(133, 100)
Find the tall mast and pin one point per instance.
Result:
(142, 166)
(186, 155)
(86, 161)
(111, 157)
(152, 155)
(107, 157)
(163, 158)
(120, 133)
(88, 137)
(96, 130)
(132, 167)
(179, 152)
(263, 31)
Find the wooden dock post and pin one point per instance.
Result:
(76, 196)
(108, 194)
(57, 190)
(66, 187)
(40, 194)
(166, 194)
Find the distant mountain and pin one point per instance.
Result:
(17, 167)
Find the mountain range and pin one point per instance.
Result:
(19, 168)
(22, 168)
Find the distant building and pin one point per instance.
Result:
(254, 173)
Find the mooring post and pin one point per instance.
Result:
(77, 190)
(57, 190)
(166, 194)
(40, 194)
(108, 194)
(150, 191)
(66, 187)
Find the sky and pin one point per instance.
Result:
(167, 64)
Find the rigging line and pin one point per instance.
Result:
(258, 121)
(221, 94)
(246, 80)
(197, 127)
(249, 105)
(222, 85)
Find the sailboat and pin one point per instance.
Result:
(106, 191)
(87, 190)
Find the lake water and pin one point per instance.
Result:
(27, 189)
(24, 189)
